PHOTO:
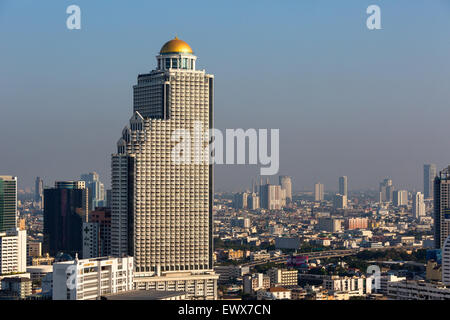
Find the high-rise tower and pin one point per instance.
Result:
(8, 203)
(429, 173)
(343, 186)
(161, 204)
(441, 207)
(286, 184)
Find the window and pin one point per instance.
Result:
(174, 63)
(167, 63)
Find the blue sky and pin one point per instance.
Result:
(347, 101)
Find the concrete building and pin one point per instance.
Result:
(20, 287)
(8, 203)
(97, 234)
(329, 224)
(254, 282)
(162, 196)
(283, 277)
(240, 200)
(357, 223)
(429, 174)
(400, 198)
(97, 196)
(253, 201)
(65, 210)
(318, 192)
(39, 193)
(357, 286)
(276, 293)
(418, 205)
(386, 190)
(271, 197)
(446, 262)
(343, 186)
(442, 207)
(417, 290)
(88, 279)
(286, 184)
(340, 201)
(13, 251)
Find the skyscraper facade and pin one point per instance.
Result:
(318, 192)
(343, 186)
(64, 214)
(400, 198)
(39, 192)
(386, 190)
(442, 207)
(418, 205)
(161, 206)
(286, 184)
(271, 197)
(8, 203)
(97, 196)
(429, 173)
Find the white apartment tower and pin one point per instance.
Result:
(418, 205)
(286, 184)
(318, 192)
(161, 206)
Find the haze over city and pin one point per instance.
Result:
(347, 101)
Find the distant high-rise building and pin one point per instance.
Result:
(429, 173)
(253, 201)
(8, 203)
(64, 214)
(286, 184)
(340, 201)
(400, 198)
(343, 186)
(446, 262)
(318, 192)
(418, 205)
(386, 191)
(97, 234)
(96, 188)
(13, 251)
(271, 197)
(442, 207)
(161, 203)
(39, 192)
(240, 200)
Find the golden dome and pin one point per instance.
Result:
(176, 46)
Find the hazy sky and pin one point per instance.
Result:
(347, 101)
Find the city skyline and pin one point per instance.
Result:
(341, 145)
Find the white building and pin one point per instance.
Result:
(286, 184)
(340, 201)
(417, 290)
(276, 293)
(88, 279)
(357, 286)
(318, 192)
(400, 198)
(162, 194)
(13, 251)
(446, 262)
(418, 205)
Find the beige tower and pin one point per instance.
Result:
(161, 206)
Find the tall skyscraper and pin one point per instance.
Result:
(418, 205)
(271, 197)
(97, 234)
(286, 184)
(13, 251)
(340, 201)
(446, 262)
(442, 207)
(386, 191)
(96, 189)
(343, 186)
(400, 198)
(241, 200)
(318, 192)
(64, 214)
(8, 203)
(429, 173)
(162, 205)
(39, 192)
